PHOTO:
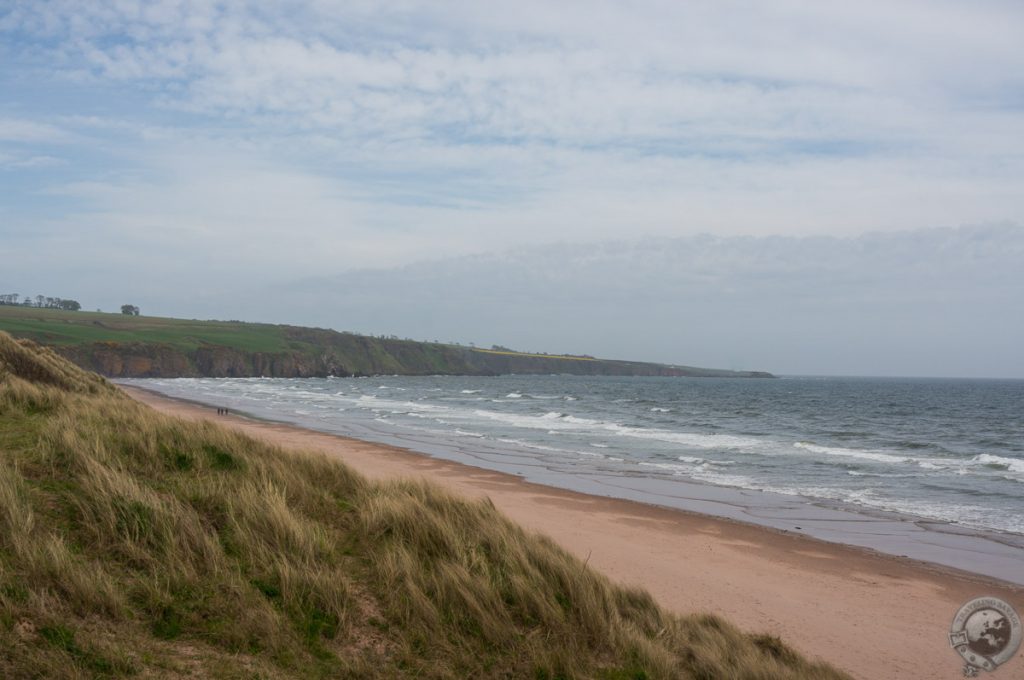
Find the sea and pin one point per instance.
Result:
(919, 467)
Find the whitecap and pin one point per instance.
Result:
(692, 439)
(1001, 462)
(675, 469)
(876, 456)
(553, 421)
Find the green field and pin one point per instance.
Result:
(118, 345)
(56, 327)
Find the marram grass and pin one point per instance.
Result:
(135, 544)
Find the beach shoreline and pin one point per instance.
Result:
(870, 613)
(601, 467)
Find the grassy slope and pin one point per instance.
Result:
(80, 334)
(132, 543)
(55, 327)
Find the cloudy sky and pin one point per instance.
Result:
(697, 182)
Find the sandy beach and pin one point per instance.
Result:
(870, 614)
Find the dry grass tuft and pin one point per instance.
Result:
(136, 544)
(37, 364)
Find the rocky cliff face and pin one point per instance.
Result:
(357, 356)
(141, 360)
(121, 346)
(130, 360)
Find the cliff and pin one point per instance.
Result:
(147, 347)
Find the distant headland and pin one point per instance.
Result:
(129, 345)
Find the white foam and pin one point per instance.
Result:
(513, 395)
(887, 475)
(691, 439)
(583, 422)
(1009, 464)
(534, 445)
(377, 402)
(675, 469)
(876, 456)
(552, 420)
(721, 479)
(658, 409)
(470, 391)
(929, 465)
(555, 422)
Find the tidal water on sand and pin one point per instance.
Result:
(908, 466)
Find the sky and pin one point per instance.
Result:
(800, 187)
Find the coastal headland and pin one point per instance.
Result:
(870, 614)
(128, 346)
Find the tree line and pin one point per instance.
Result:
(40, 301)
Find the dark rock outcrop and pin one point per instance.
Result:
(350, 355)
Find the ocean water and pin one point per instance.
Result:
(949, 451)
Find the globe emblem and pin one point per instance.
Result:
(988, 632)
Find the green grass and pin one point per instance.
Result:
(510, 353)
(135, 544)
(140, 346)
(56, 327)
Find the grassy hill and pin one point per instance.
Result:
(117, 345)
(135, 544)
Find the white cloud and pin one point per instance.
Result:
(212, 143)
(22, 161)
(29, 131)
(710, 78)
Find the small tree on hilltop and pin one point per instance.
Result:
(130, 310)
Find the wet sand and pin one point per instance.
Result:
(871, 614)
